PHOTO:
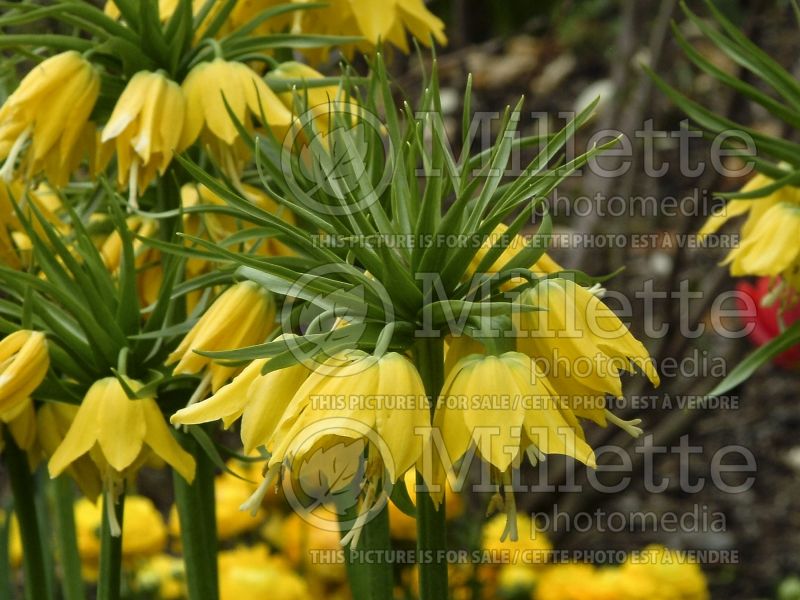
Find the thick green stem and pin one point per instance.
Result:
(195, 503)
(373, 580)
(22, 487)
(71, 579)
(110, 579)
(431, 526)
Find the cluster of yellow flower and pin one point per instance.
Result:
(768, 245)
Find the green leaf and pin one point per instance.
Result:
(741, 372)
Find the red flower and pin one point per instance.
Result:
(765, 319)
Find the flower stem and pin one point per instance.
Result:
(110, 578)
(431, 527)
(21, 479)
(375, 579)
(72, 581)
(195, 503)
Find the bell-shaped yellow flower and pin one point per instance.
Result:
(207, 88)
(146, 126)
(768, 237)
(351, 404)
(259, 399)
(119, 434)
(53, 420)
(242, 316)
(24, 361)
(502, 405)
(51, 108)
(580, 345)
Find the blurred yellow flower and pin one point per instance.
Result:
(51, 108)
(403, 526)
(144, 533)
(532, 547)
(146, 126)
(672, 574)
(300, 540)
(768, 244)
(163, 576)
(252, 574)
(24, 361)
(242, 316)
(207, 88)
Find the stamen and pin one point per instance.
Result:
(253, 503)
(133, 185)
(7, 171)
(630, 427)
(597, 290)
(511, 510)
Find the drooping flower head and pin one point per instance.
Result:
(146, 126)
(353, 405)
(50, 109)
(768, 244)
(208, 87)
(505, 409)
(580, 345)
(242, 316)
(119, 434)
(24, 361)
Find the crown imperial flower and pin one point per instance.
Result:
(242, 316)
(146, 126)
(24, 361)
(51, 109)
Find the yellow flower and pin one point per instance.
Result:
(301, 539)
(671, 573)
(143, 529)
(768, 245)
(51, 108)
(146, 126)
(24, 361)
(242, 316)
(53, 420)
(164, 576)
(580, 345)
(323, 103)
(577, 581)
(119, 434)
(251, 574)
(354, 402)
(259, 399)
(504, 406)
(387, 21)
(532, 547)
(207, 87)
